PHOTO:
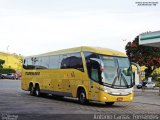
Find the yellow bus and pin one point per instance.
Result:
(87, 73)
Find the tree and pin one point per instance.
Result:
(1, 63)
(143, 55)
(7, 70)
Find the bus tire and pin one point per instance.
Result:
(109, 103)
(82, 97)
(37, 91)
(31, 90)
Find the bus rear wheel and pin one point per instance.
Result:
(109, 103)
(82, 97)
(31, 90)
(37, 91)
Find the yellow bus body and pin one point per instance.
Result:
(66, 82)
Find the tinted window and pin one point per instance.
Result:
(64, 61)
(93, 67)
(89, 55)
(73, 60)
(65, 58)
(76, 61)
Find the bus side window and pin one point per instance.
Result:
(76, 61)
(29, 64)
(64, 61)
(25, 63)
(72, 61)
(54, 62)
(94, 74)
(93, 68)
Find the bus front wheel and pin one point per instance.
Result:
(82, 97)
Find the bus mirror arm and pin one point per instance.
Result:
(97, 60)
(137, 65)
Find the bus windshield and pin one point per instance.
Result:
(117, 72)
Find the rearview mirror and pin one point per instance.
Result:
(97, 60)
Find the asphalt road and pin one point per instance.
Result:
(18, 104)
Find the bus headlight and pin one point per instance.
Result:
(107, 90)
(131, 91)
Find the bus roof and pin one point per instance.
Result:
(98, 50)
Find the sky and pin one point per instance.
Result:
(30, 27)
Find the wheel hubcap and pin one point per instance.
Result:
(32, 91)
(37, 92)
(82, 97)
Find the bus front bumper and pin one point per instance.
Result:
(106, 97)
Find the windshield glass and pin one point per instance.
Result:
(117, 72)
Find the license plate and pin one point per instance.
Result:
(119, 99)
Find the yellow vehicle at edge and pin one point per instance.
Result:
(88, 73)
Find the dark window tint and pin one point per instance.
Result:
(65, 58)
(93, 67)
(89, 55)
(76, 61)
(64, 61)
(73, 60)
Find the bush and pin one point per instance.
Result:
(157, 84)
(7, 70)
(158, 79)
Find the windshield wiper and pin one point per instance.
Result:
(115, 79)
(124, 79)
(120, 75)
